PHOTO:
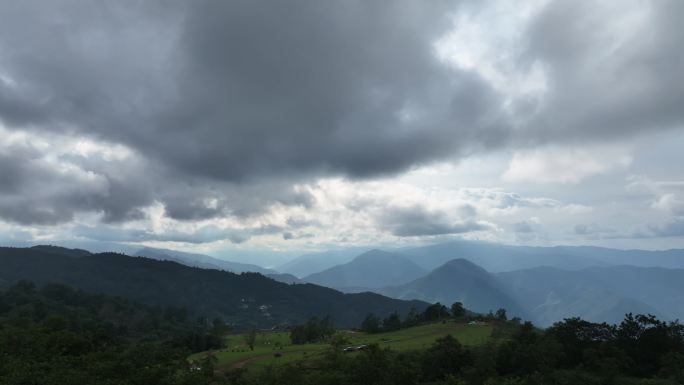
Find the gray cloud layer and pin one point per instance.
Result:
(248, 88)
(419, 221)
(228, 104)
(238, 92)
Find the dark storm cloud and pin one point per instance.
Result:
(231, 95)
(199, 200)
(245, 89)
(227, 105)
(419, 221)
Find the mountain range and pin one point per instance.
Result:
(546, 294)
(200, 260)
(372, 269)
(497, 258)
(597, 293)
(242, 299)
(463, 281)
(542, 284)
(311, 263)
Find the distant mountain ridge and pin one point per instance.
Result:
(312, 263)
(245, 299)
(200, 260)
(598, 293)
(500, 258)
(496, 258)
(372, 269)
(459, 280)
(74, 253)
(543, 284)
(546, 294)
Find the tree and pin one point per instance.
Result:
(371, 324)
(446, 356)
(338, 341)
(501, 314)
(457, 309)
(435, 312)
(250, 338)
(207, 364)
(391, 323)
(412, 318)
(313, 330)
(219, 328)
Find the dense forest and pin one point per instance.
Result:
(640, 350)
(55, 334)
(58, 335)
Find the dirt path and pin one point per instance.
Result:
(242, 363)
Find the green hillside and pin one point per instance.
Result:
(238, 355)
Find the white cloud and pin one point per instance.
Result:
(555, 164)
(491, 49)
(670, 203)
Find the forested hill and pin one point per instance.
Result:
(247, 299)
(56, 335)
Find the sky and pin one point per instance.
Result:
(246, 127)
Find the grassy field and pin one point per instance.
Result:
(237, 354)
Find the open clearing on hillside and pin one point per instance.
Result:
(237, 353)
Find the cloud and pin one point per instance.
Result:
(621, 81)
(671, 203)
(220, 109)
(205, 234)
(524, 227)
(44, 180)
(594, 230)
(227, 115)
(672, 228)
(418, 221)
(229, 92)
(497, 201)
(564, 165)
(663, 196)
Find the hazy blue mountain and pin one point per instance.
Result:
(597, 293)
(372, 269)
(200, 260)
(89, 246)
(74, 253)
(245, 299)
(496, 257)
(285, 278)
(659, 287)
(311, 263)
(671, 259)
(459, 280)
